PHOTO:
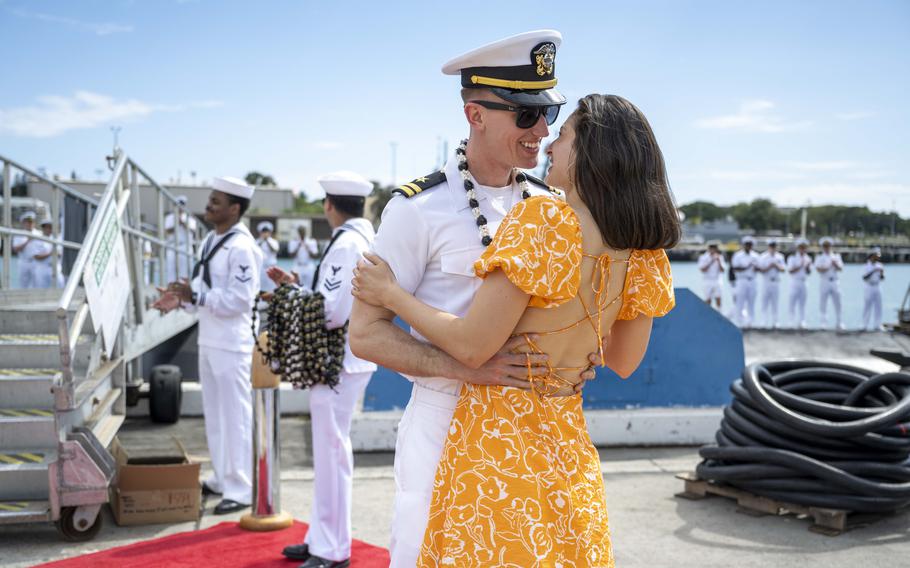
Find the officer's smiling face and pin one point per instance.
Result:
(519, 147)
(218, 209)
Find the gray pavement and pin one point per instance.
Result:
(650, 527)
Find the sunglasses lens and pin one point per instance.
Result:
(526, 117)
(551, 112)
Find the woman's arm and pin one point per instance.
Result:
(471, 340)
(627, 343)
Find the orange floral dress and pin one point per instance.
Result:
(519, 482)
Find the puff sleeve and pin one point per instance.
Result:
(538, 247)
(648, 288)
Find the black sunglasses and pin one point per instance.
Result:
(525, 116)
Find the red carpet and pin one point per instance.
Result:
(225, 545)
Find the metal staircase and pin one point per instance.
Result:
(62, 383)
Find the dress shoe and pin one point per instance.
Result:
(206, 490)
(317, 562)
(297, 552)
(227, 506)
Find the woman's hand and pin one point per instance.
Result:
(374, 282)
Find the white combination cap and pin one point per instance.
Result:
(345, 183)
(772, 242)
(46, 221)
(802, 242)
(876, 250)
(265, 226)
(826, 241)
(233, 186)
(714, 243)
(27, 215)
(747, 240)
(181, 199)
(520, 69)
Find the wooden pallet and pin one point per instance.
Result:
(830, 522)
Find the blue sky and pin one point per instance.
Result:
(798, 101)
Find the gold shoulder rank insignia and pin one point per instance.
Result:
(542, 185)
(422, 183)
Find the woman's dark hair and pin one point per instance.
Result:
(241, 201)
(351, 205)
(620, 175)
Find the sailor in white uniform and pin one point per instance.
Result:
(25, 248)
(269, 247)
(799, 266)
(180, 230)
(328, 541)
(873, 274)
(713, 267)
(44, 260)
(224, 288)
(828, 264)
(771, 264)
(745, 265)
(432, 231)
(306, 253)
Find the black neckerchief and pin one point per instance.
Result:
(324, 253)
(207, 255)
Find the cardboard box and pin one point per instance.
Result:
(155, 487)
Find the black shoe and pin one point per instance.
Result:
(206, 490)
(227, 506)
(317, 562)
(297, 552)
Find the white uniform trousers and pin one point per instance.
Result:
(745, 302)
(228, 409)
(27, 273)
(798, 292)
(713, 289)
(422, 434)
(872, 307)
(832, 290)
(769, 303)
(329, 535)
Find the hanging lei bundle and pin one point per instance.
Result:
(300, 348)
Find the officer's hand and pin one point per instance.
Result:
(280, 276)
(167, 302)
(510, 369)
(181, 289)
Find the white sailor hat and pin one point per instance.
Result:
(345, 183)
(826, 241)
(265, 226)
(27, 215)
(520, 69)
(802, 242)
(233, 186)
(748, 240)
(714, 243)
(772, 242)
(46, 221)
(181, 199)
(876, 251)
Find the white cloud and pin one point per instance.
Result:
(855, 115)
(327, 145)
(753, 175)
(823, 166)
(54, 115)
(753, 116)
(97, 28)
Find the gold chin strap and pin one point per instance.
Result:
(515, 85)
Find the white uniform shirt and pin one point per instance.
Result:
(828, 266)
(34, 246)
(302, 249)
(225, 309)
(431, 242)
(746, 260)
(334, 282)
(874, 272)
(269, 248)
(773, 265)
(716, 270)
(803, 262)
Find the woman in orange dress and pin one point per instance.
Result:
(519, 482)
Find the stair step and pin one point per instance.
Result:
(26, 388)
(23, 474)
(30, 319)
(27, 428)
(39, 350)
(22, 511)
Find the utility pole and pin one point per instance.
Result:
(116, 130)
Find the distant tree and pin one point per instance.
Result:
(260, 179)
(760, 215)
(703, 211)
(381, 196)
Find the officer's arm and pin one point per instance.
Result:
(294, 245)
(239, 294)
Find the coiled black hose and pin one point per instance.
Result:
(816, 434)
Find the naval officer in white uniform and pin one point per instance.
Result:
(712, 265)
(799, 266)
(180, 230)
(224, 288)
(25, 248)
(873, 274)
(328, 541)
(745, 265)
(772, 265)
(269, 247)
(431, 234)
(828, 264)
(306, 254)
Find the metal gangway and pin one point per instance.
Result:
(69, 356)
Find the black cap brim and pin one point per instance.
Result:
(545, 97)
